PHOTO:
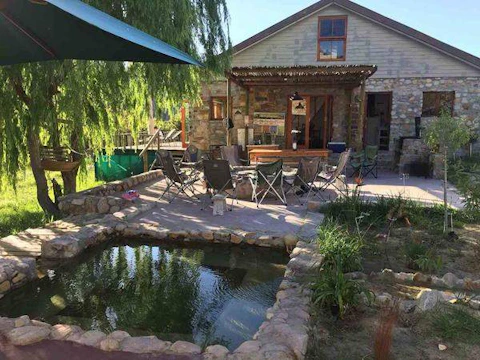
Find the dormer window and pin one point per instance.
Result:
(332, 38)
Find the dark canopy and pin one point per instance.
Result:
(41, 30)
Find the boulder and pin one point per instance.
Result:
(428, 299)
(450, 280)
(22, 321)
(185, 347)
(144, 344)
(61, 331)
(91, 338)
(215, 352)
(249, 347)
(27, 335)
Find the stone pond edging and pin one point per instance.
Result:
(283, 335)
(15, 272)
(100, 199)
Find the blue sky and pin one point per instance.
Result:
(456, 22)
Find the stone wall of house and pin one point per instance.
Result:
(206, 132)
(407, 101)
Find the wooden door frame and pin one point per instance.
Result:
(328, 115)
(388, 114)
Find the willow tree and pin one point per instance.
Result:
(81, 104)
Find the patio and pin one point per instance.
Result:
(273, 217)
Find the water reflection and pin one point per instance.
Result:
(206, 295)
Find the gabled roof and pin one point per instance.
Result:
(366, 13)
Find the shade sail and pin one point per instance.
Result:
(42, 30)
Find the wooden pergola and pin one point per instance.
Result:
(339, 76)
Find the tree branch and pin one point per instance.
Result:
(17, 85)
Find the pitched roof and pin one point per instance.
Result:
(369, 14)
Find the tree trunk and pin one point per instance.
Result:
(445, 198)
(33, 143)
(70, 178)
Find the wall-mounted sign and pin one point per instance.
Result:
(268, 119)
(299, 107)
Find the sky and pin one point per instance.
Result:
(456, 22)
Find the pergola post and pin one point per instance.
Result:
(229, 140)
(361, 117)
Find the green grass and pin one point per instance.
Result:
(456, 324)
(19, 210)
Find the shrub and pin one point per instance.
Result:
(338, 245)
(333, 291)
(457, 324)
(420, 257)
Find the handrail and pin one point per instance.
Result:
(149, 142)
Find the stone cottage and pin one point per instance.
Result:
(339, 72)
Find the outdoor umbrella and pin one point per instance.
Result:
(42, 30)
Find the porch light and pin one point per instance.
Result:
(296, 97)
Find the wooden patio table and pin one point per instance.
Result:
(289, 156)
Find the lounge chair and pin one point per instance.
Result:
(175, 178)
(330, 178)
(304, 179)
(219, 179)
(268, 179)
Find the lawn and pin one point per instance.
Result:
(19, 209)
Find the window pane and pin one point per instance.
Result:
(339, 27)
(325, 49)
(338, 49)
(435, 102)
(326, 27)
(218, 109)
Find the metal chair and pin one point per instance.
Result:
(364, 162)
(304, 179)
(268, 179)
(370, 164)
(331, 177)
(176, 178)
(219, 179)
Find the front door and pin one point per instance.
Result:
(314, 128)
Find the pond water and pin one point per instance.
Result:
(206, 295)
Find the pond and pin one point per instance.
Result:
(207, 295)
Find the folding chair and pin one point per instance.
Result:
(268, 179)
(304, 179)
(176, 178)
(219, 179)
(370, 163)
(330, 178)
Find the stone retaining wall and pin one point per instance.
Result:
(100, 199)
(15, 272)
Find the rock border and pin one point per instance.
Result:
(99, 200)
(283, 335)
(448, 281)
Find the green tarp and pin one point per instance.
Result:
(120, 165)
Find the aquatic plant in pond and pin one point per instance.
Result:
(208, 295)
